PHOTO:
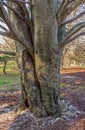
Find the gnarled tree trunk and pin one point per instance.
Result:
(40, 74)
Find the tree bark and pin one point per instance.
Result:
(40, 76)
(47, 55)
(30, 93)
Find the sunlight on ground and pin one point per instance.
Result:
(72, 70)
(6, 119)
(78, 125)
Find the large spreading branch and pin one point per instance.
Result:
(14, 10)
(20, 1)
(7, 34)
(62, 7)
(72, 19)
(14, 31)
(27, 19)
(74, 30)
(77, 27)
(74, 37)
(67, 7)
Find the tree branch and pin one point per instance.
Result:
(27, 20)
(72, 19)
(13, 29)
(2, 27)
(73, 5)
(2, 20)
(25, 17)
(72, 31)
(7, 34)
(15, 11)
(68, 8)
(20, 1)
(8, 52)
(75, 37)
(75, 29)
(62, 7)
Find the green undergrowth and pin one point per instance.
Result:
(11, 67)
(62, 85)
(10, 81)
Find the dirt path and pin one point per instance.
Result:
(73, 91)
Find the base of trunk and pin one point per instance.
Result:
(46, 123)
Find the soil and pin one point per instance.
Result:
(73, 91)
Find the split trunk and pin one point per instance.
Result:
(40, 74)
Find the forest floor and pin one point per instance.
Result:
(72, 91)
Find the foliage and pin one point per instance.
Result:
(6, 58)
(10, 80)
(62, 85)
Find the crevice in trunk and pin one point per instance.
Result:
(31, 85)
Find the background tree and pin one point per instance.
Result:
(68, 57)
(39, 28)
(7, 51)
(5, 59)
(74, 54)
(79, 54)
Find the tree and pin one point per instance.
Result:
(79, 54)
(5, 59)
(39, 29)
(7, 51)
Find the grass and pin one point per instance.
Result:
(8, 82)
(62, 85)
(11, 67)
(11, 79)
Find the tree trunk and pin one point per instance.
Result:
(30, 93)
(40, 76)
(47, 55)
(4, 68)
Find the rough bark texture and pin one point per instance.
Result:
(29, 85)
(47, 55)
(40, 76)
